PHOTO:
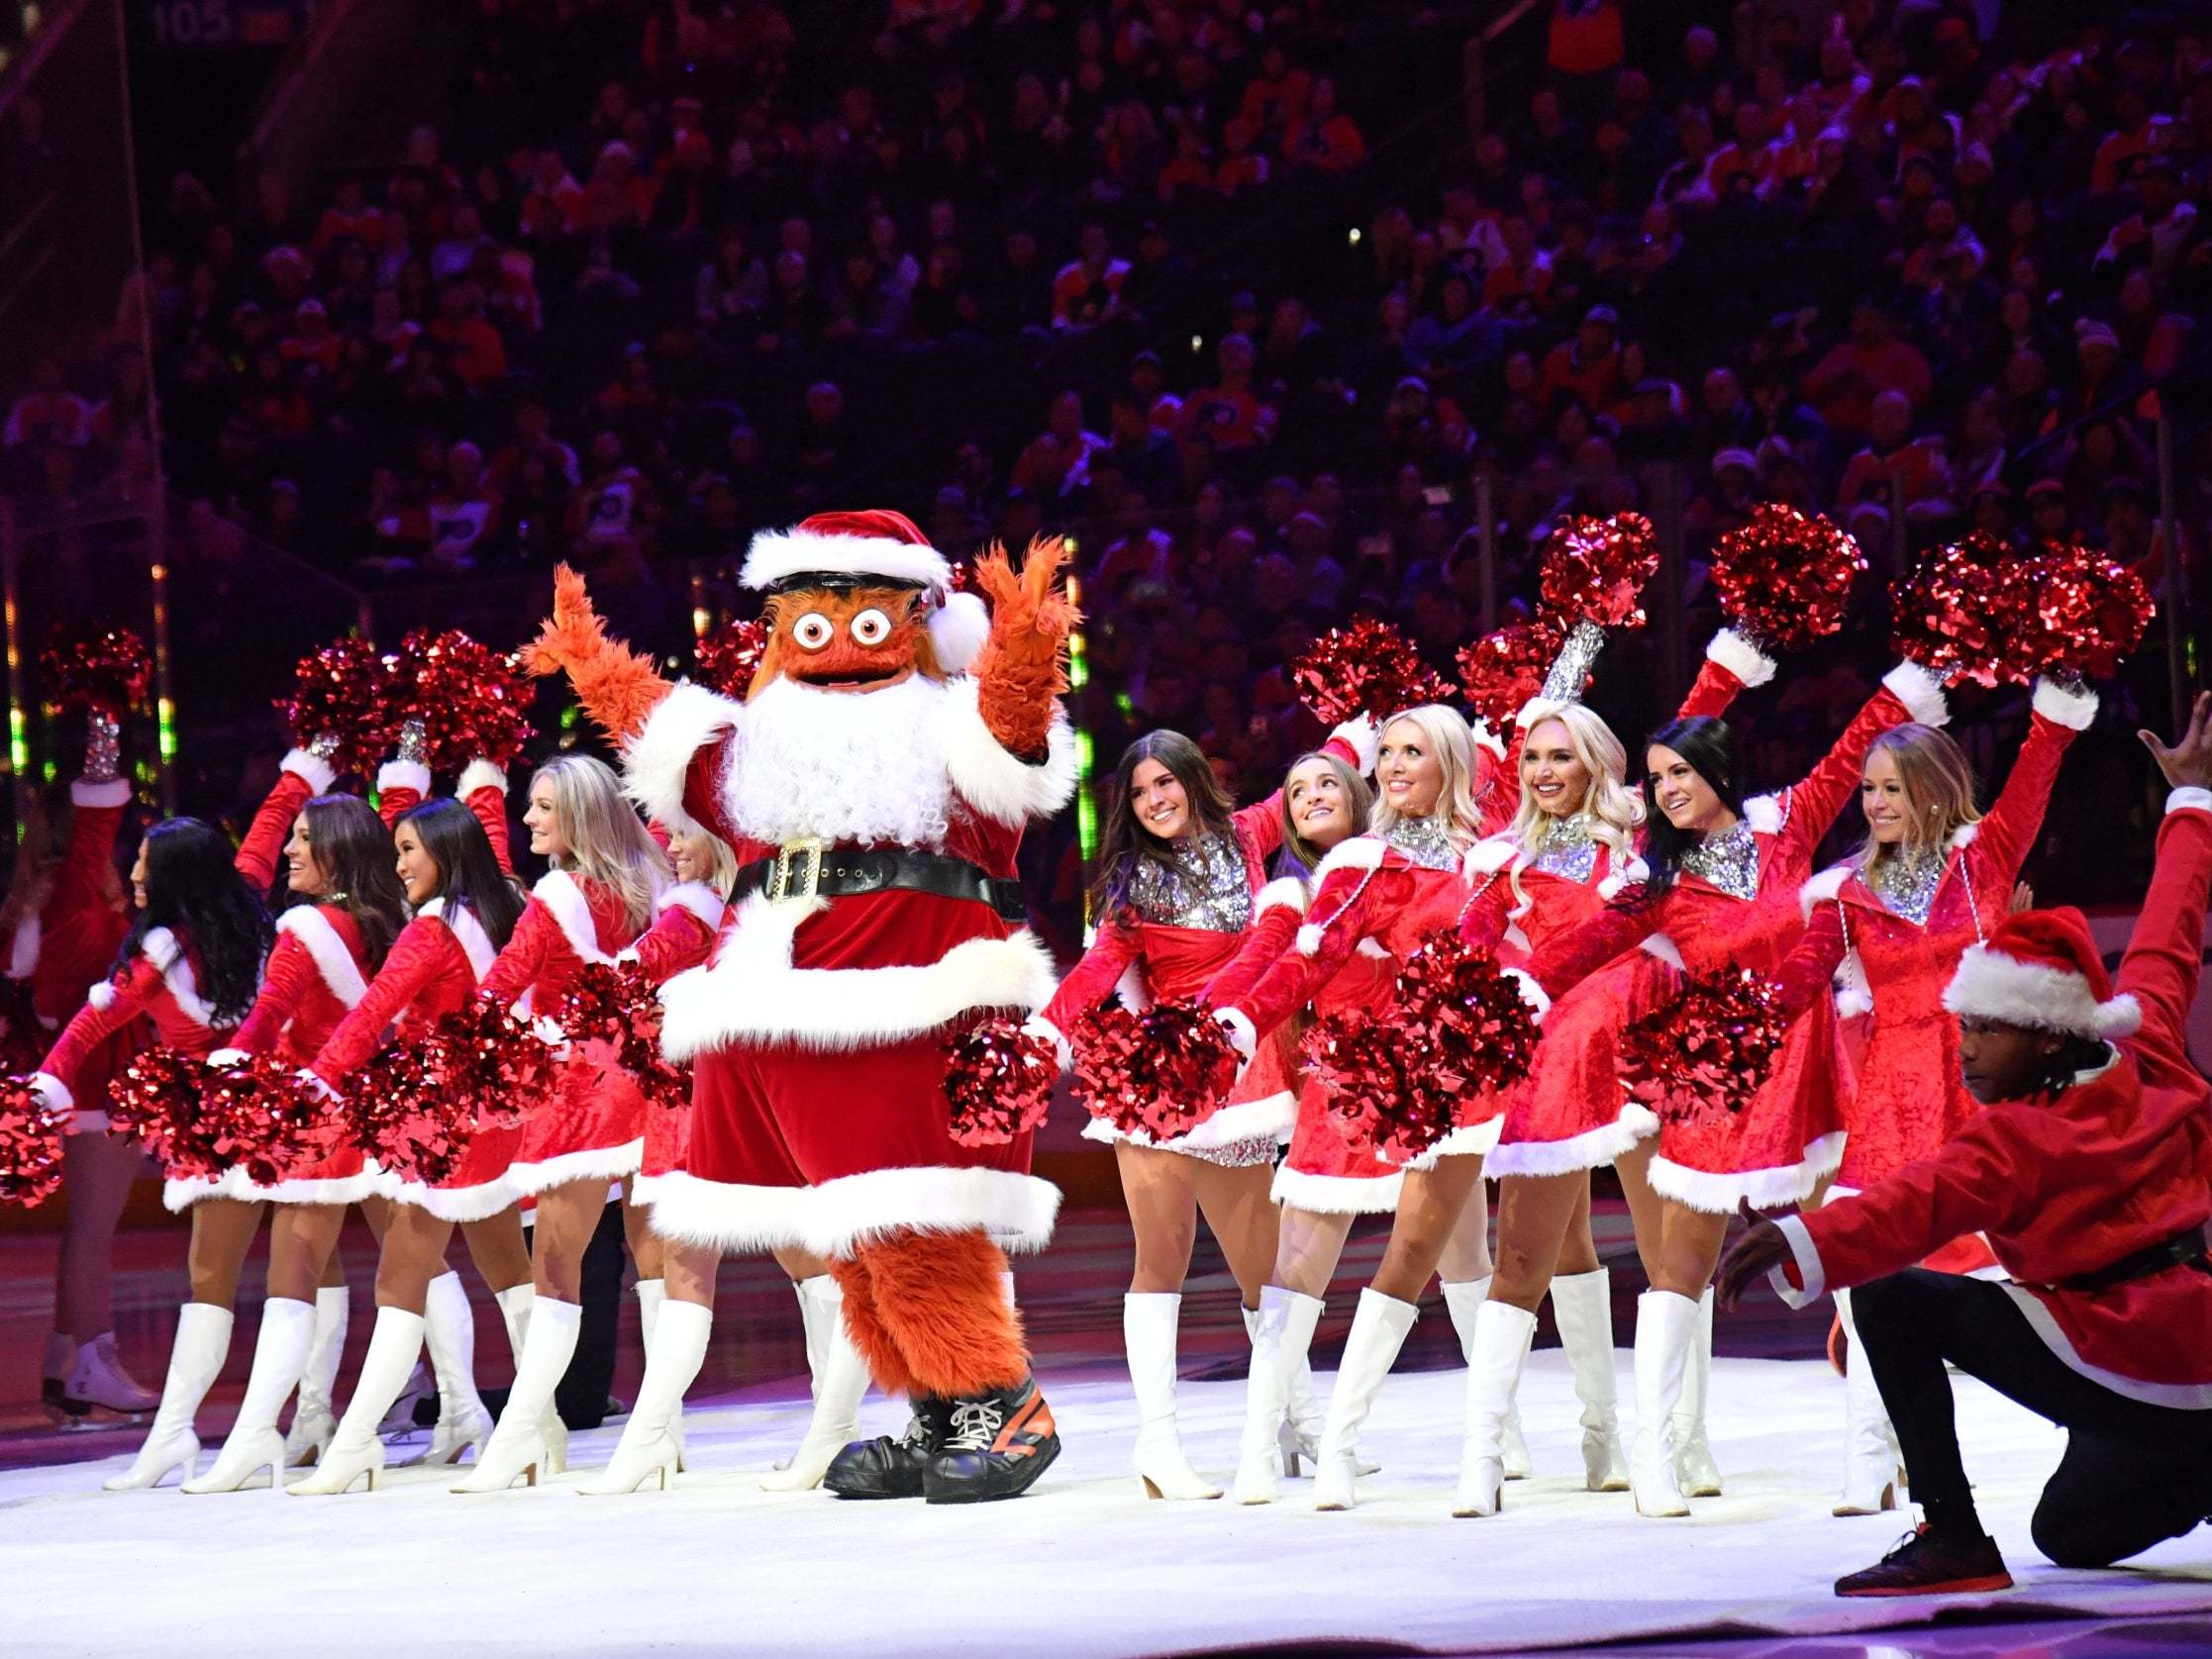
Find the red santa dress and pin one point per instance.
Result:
(681, 937)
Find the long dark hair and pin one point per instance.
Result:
(193, 889)
(468, 872)
(1124, 845)
(1710, 747)
(354, 848)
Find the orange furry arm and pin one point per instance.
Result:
(1022, 668)
(617, 687)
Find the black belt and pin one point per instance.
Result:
(805, 870)
(2183, 1251)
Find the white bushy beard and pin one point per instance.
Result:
(845, 766)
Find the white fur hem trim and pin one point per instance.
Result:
(480, 774)
(1001, 785)
(1764, 813)
(1921, 692)
(1991, 986)
(563, 900)
(452, 1203)
(696, 897)
(1807, 1259)
(778, 555)
(115, 792)
(2188, 797)
(657, 761)
(178, 1195)
(1337, 1194)
(1016, 1210)
(475, 943)
(1477, 1140)
(591, 1163)
(1719, 1193)
(2062, 706)
(159, 947)
(2186, 1397)
(1362, 738)
(1271, 1116)
(1729, 649)
(403, 774)
(1587, 1150)
(753, 994)
(341, 975)
(1824, 888)
(1284, 891)
(311, 770)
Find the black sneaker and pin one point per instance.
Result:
(1929, 1563)
(888, 1468)
(995, 1447)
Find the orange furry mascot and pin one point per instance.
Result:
(873, 783)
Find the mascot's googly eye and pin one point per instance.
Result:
(871, 628)
(813, 631)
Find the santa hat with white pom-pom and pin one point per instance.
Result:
(875, 545)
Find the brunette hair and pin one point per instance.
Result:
(1124, 845)
(355, 847)
(469, 871)
(1710, 747)
(1358, 799)
(193, 888)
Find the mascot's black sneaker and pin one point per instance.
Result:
(888, 1468)
(1929, 1563)
(996, 1446)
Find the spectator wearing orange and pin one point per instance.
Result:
(471, 346)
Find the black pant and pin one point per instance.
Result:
(2133, 1473)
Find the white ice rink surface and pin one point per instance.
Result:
(1082, 1566)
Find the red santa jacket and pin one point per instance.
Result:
(571, 923)
(70, 945)
(2120, 1162)
(431, 970)
(686, 922)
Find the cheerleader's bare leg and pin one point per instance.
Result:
(82, 1369)
(531, 1439)
(1309, 1245)
(1161, 1189)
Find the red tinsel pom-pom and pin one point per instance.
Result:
(1785, 579)
(404, 1118)
(2087, 612)
(1366, 667)
(473, 701)
(338, 691)
(1594, 569)
(1370, 1075)
(1502, 670)
(86, 667)
(260, 1117)
(1154, 1073)
(30, 1137)
(1711, 1050)
(1959, 613)
(614, 1004)
(156, 1103)
(500, 1071)
(727, 658)
(998, 1082)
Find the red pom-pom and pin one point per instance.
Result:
(86, 668)
(473, 703)
(614, 1004)
(260, 1117)
(1366, 667)
(30, 1137)
(1154, 1073)
(501, 1071)
(1594, 569)
(998, 1082)
(404, 1118)
(2088, 612)
(1501, 671)
(156, 1103)
(338, 691)
(1958, 612)
(1784, 580)
(729, 657)
(1711, 1050)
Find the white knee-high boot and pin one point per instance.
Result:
(196, 1355)
(651, 1444)
(450, 1328)
(1665, 1331)
(1498, 1350)
(279, 1355)
(651, 1295)
(839, 1384)
(1464, 1299)
(515, 1305)
(518, 1447)
(354, 1450)
(1870, 1454)
(1694, 1468)
(314, 1416)
(1583, 1302)
(1379, 1332)
(1281, 1332)
(1150, 1327)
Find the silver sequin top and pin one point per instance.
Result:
(1906, 883)
(1205, 886)
(1564, 848)
(1729, 859)
(1425, 841)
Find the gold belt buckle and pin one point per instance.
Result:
(807, 848)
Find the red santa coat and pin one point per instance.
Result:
(69, 946)
(819, 1034)
(1574, 1114)
(681, 937)
(1908, 1098)
(2120, 1162)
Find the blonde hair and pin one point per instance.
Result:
(1453, 743)
(1939, 784)
(607, 843)
(1358, 801)
(722, 860)
(1609, 808)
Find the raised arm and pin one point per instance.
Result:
(1732, 666)
(303, 776)
(2166, 953)
(2005, 837)
(1259, 826)
(1810, 807)
(483, 790)
(420, 953)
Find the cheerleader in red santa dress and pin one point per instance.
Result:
(65, 918)
(1180, 878)
(1931, 878)
(1720, 892)
(451, 862)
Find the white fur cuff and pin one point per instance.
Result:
(2064, 706)
(1921, 692)
(1242, 1036)
(2190, 798)
(480, 774)
(1036, 1026)
(403, 774)
(1531, 992)
(1360, 736)
(1729, 649)
(1000, 785)
(51, 1090)
(115, 792)
(311, 770)
(1807, 1259)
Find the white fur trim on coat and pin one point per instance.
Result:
(2188, 798)
(1989, 985)
(1765, 813)
(1362, 736)
(1000, 785)
(159, 947)
(51, 1090)
(451, 1204)
(1491, 854)
(311, 770)
(475, 943)
(403, 774)
(1921, 692)
(591, 1163)
(1732, 652)
(1719, 1193)
(1824, 887)
(1806, 1255)
(778, 555)
(1632, 874)
(1284, 891)
(829, 1220)
(696, 897)
(1240, 1033)
(1360, 852)
(341, 975)
(2183, 1397)
(656, 760)
(480, 774)
(1587, 1150)
(1309, 939)
(958, 628)
(1531, 992)
(114, 791)
(1270, 1117)
(2064, 706)
(102, 994)
(565, 902)
(753, 994)
(1337, 1194)
(1664, 949)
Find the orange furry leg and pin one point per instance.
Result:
(861, 1322)
(942, 1298)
